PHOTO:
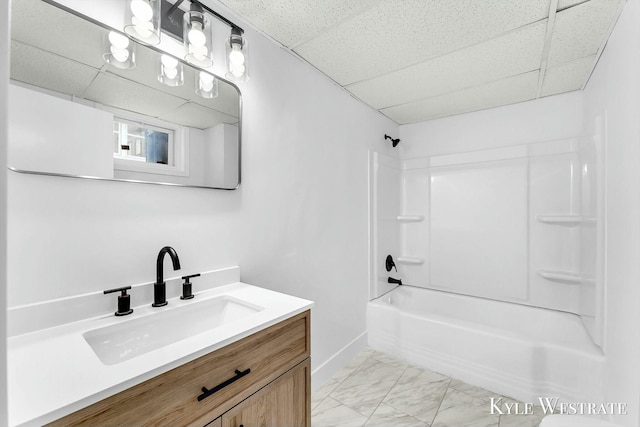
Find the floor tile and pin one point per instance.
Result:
(418, 393)
(388, 359)
(365, 388)
(463, 410)
(379, 390)
(386, 416)
(355, 363)
(331, 413)
(323, 392)
(475, 391)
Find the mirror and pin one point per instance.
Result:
(73, 114)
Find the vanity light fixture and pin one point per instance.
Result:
(197, 37)
(206, 85)
(119, 51)
(237, 56)
(171, 72)
(143, 20)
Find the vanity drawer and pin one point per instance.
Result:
(171, 399)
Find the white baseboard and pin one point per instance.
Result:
(323, 373)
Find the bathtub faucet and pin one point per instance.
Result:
(396, 281)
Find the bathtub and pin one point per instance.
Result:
(514, 350)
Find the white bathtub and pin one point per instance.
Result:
(514, 350)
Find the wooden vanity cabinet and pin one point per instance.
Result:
(282, 403)
(275, 392)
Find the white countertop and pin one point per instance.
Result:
(54, 372)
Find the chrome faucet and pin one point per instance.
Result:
(160, 287)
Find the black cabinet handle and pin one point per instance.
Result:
(206, 392)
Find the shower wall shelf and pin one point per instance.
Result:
(561, 276)
(410, 260)
(566, 220)
(410, 218)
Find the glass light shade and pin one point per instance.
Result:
(197, 39)
(142, 20)
(206, 85)
(119, 51)
(170, 71)
(237, 50)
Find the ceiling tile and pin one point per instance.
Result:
(565, 4)
(31, 21)
(293, 21)
(503, 92)
(515, 53)
(43, 69)
(567, 77)
(197, 116)
(398, 33)
(120, 93)
(581, 30)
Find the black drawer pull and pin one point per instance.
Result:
(206, 392)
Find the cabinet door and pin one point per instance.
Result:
(286, 402)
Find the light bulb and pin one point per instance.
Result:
(236, 56)
(237, 69)
(143, 28)
(119, 54)
(118, 40)
(142, 10)
(196, 36)
(200, 52)
(206, 81)
(169, 61)
(170, 73)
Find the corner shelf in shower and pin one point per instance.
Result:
(566, 220)
(410, 260)
(410, 218)
(561, 276)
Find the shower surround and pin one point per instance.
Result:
(502, 252)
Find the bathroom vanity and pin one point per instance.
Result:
(234, 355)
(263, 379)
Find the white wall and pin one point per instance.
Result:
(4, 78)
(297, 224)
(613, 96)
(42, 138)
(544, 119)
(305, 191)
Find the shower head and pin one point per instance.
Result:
(394, 142)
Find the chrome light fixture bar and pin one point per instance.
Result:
(146, 20)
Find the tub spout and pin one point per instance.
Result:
(396, 281)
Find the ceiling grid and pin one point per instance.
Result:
(416, 60)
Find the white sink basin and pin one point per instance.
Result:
(130, 338)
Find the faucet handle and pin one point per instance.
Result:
(124, 301)
(186, 286)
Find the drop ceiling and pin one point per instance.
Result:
(417, 60)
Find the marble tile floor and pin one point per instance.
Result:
(378, 390)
